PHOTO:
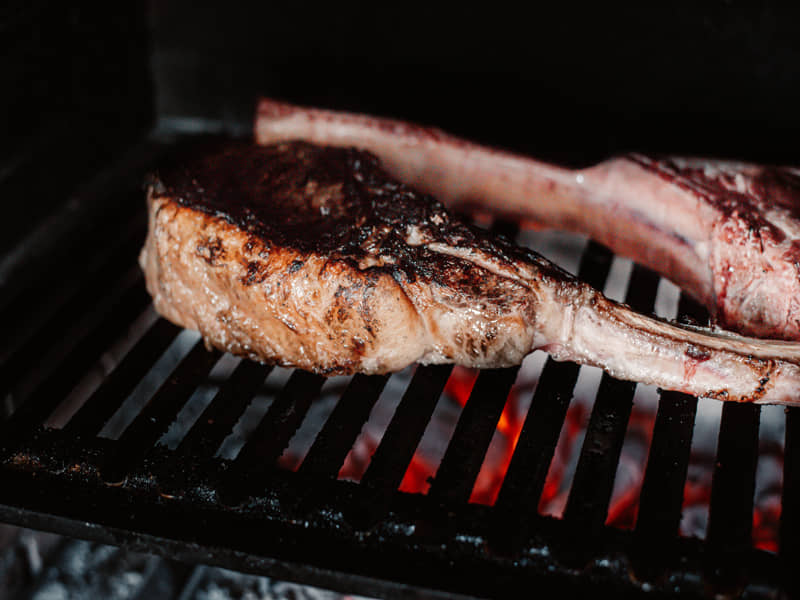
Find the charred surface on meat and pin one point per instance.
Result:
(314, 257)
(329, 247)
(728, 233)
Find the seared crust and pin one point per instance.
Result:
(313, 257)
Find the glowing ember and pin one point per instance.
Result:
(630, 472)
(566, 250)
(631, 467)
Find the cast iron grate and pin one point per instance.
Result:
(367, 537)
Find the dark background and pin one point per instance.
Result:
(567, 83)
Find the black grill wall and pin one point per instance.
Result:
(563, 82)
(76, 90)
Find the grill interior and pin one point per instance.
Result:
(79, 293)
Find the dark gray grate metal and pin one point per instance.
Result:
(128, 300)
(220, 416)
(106, 399)
(789, 548)
(525, 478)
(590, 495)
(365, 537)
(730, 519)
(334, 441)
(465, 454)
(661, 497)
(24, 337)
(271, 436)
(154, 419)
(399, 442)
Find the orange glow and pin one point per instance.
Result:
(459, 386)
(623, 508)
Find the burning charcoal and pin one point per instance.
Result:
(221, 584)
(84, 570)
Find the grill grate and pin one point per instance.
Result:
(366, 537)
(590, 495)
(396, 449)
(662, 490)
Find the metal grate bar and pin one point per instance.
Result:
(476, 426)
(212, 426)
(789, 549)
(276, 429)
(662, 490)
(222, 413)
(140, 436)
(107, 398)
(588, 501)
(50, 392)
(402, 436)
(273, 433)
(524, 481)
(730, 513)
(595, 265)
(730, 518)
(590, 494)
(399, 442)
(661, 497)
(331, 446)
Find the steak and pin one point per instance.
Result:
(728, 233)
(315, 257)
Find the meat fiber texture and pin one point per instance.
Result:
(315, 257)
